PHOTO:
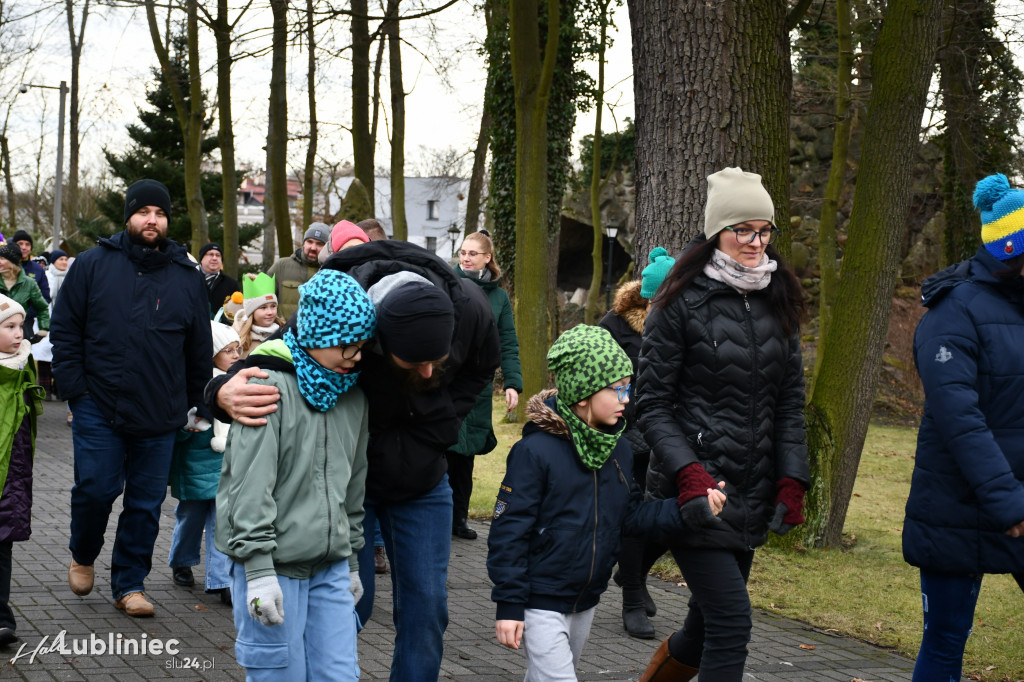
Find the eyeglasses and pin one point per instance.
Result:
(621, 392)
(746, 235)
(472, 254)
(350, 350)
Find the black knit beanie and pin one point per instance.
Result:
(22, 235)
(415, 322)
(210, 246)
(146, 193)
(11, 252)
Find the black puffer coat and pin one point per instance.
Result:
(720, 383)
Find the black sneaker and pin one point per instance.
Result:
(7, 637)
(183, 576)
(462, 530)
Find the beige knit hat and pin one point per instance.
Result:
(735, 196)
(9, 307)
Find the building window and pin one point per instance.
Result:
(433, 209)
(432, 244)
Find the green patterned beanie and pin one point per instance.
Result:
(586, 359)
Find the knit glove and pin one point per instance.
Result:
(196, 423)
(789, 505)
(693, 481)
(697, 513)
(355, 585)
(265, 600)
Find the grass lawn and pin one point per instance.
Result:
(863, 589)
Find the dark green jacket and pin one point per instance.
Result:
(476, 437)
(27, 293)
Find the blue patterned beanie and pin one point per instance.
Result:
(333, 311)
(1002, 216)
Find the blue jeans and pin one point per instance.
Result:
(948, 601)
(317, 640)
(418, 538)
(106, 464)
(192, 516)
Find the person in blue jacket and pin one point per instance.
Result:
(567, 496)
(965, 514)
(131, 352)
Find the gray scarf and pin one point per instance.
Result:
(725, 269)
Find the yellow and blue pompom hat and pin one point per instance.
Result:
(1002, 216)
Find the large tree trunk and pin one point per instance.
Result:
(964, 125)
(836, 176)
(532, 77)
(398, 221)
(840, 405)
(190, 115)
(74, 143)
(226, 138)
(594, 308)
(362, 141)
(712, 82)
(308, 187)
(277, 140)
(476, 177)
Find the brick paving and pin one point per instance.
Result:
(45, 607)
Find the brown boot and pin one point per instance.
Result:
(664, 668)
(80, 578)
(135, 605)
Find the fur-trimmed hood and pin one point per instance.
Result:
(540, 411)
(631, 306)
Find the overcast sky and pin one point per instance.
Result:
(116, 72)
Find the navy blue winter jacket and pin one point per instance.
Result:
(134, 331)
(557, 524)
(967, 485)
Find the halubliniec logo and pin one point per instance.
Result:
(113, 644)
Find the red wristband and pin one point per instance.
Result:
(693, 481)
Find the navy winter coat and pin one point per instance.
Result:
(968, 483)
(557, 524)
(132, 329)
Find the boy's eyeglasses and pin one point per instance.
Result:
(472, 254)
(350, 350)
(621, 392)
(746, 235)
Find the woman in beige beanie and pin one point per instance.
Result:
(720, 399)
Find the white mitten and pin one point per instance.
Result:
(355, 585)
(195, 423)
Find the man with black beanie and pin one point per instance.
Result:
(33, 269)
(437, 349)
(131, 352)
(218, 284)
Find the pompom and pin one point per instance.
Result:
(990, 190)
(237, 297)
(656, 253)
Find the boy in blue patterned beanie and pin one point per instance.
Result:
(290, 499)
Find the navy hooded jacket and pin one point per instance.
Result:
(134, 331)
(968, 482)
(558, 525)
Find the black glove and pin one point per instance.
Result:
(35, 338)
(697, 514)
(777, 525)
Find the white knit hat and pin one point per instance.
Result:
(9, 307)
(223, 336)
(735, 196)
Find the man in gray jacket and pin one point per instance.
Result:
(295, 270)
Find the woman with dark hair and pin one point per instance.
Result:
(720, 397)
(965, 515)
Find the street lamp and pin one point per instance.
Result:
(610, 232)
(58, 181)
(453, 233)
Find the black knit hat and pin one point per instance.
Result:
(415, 322)
(22, 235)
(210, 246)
(11, 252)
(146, 193)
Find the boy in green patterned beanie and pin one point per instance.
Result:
(566, 500)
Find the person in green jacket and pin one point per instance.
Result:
(15, 284)
(291, 271)
(290, 497)
(476, 436)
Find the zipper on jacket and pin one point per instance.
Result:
(593, 551)
(753, 416)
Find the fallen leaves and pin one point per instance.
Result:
(808, 647)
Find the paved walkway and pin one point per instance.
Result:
(45, 608)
